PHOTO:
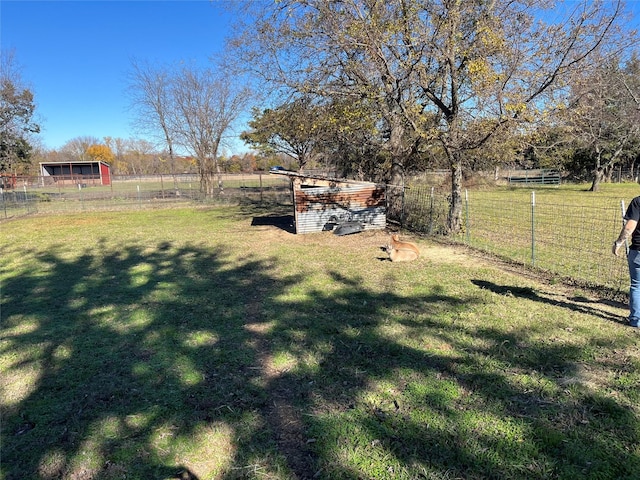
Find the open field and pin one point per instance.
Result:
(39, 194)
(212, 343)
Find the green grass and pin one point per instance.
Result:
(570, 235)
(187, 343)
(131, 185)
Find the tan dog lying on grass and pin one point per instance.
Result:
(402, 251)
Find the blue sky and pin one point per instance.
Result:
(76, 55)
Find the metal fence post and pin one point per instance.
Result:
(533, 230)
(431, 216)
(26, 200)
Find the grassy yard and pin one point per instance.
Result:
(207, 344)
(565, 231)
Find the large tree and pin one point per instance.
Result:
(191, 108)
(207, 104)
(151, 102)
(17, 107)
(294, 128)
(474, 66)
(604, 113)
(343, 135)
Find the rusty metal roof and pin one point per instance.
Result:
(319, 180)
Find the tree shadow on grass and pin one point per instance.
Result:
(126, 353)
(438, 410)
(577, 304)
(165, 362)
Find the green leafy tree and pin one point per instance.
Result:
(604, 114)
(551, 146)
(17, 109)
(294, 128)
(452, 72)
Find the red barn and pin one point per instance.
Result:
(83, 172)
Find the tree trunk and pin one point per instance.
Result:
(454, 223)
(206, 170)
(598, 176)
(206, 184)
(598, 172)
(395, 189)
(395, 193)
(172, 166)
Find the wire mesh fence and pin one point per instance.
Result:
(567, 235)
(41, 195)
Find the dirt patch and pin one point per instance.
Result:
(281, 411)
(373, 240)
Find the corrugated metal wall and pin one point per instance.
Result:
(317, 206)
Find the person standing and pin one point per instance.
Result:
(631, 231)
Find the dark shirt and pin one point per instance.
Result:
(633, 213)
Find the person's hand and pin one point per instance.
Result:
(616, 247)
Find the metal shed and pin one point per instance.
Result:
(84, 172)
(321, 201)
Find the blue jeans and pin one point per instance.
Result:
(634, 291)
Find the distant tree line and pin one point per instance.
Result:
(141, 157)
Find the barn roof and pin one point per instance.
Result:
(75, 162)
